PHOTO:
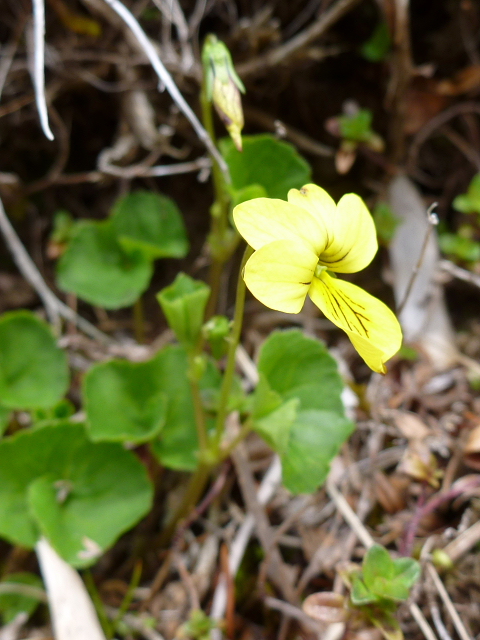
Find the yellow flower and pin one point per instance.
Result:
(297, 243)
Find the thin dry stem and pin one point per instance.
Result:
(442, 592)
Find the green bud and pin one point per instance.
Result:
(183, 304)
(223, 86)
(442, 560)
(198, 364)
(216, 331)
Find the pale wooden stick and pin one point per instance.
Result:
(442, 592)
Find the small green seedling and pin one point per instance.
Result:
(376, 589)
(469, 202)
(109, 263)
(198, 627)
(354, 128)
(377, 47)
(386, 222)
(461, 245)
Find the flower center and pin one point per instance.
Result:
(319, 269)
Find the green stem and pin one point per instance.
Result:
(219, 216)
(241, 435)
(139, 321)
(220, 221)
(200, 421)
(127, 600)
(105, 623)
(232, 349)
(196, 487)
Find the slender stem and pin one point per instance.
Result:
(232, 349)
(105, 623)
(221, 196)
(195, 488)
(219, 213)
(127, 600)
(243, 433)
(200, 421)
(139, 321)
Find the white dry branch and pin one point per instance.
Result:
(424, 317)
(38, 67)
(166, 80)
(72, 612)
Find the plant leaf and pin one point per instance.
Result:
(11, 604)
(315, 439)
(377, 563)
(97, 269)
(275, 426)
(150, 222)
(299, 367)
(81, 495)
(469, 202)
(33, 370)
(124, 402)
(265, 161)
(360, 594)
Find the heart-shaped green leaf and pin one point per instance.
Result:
(124, 401)
(33, 370)
(299, 367)
(99, 270)
(79, 494)
(315, 439)
(152, 223)
(265, 161)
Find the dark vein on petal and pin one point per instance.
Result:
(359, 316)
(331, 295)
(336, 261)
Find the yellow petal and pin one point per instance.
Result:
(352, 238)
(279, 275)
(371, 325)
(264, 220)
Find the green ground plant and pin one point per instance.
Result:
(75, 478)
(376, 588)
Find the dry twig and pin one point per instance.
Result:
(302, 39)
(442, 592)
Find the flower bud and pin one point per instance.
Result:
(223, 86)
(183, 304)
(216, 331)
